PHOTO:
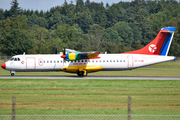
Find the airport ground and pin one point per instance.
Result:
(85, 96)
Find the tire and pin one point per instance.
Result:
(12, 74)
(80, 73)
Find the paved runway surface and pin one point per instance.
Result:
(94, 77)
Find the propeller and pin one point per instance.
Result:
(64, 55)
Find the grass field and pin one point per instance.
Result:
(59, 97)
(162, 69)
(69, 97)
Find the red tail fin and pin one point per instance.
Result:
(160, 45)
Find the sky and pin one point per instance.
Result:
(47, 4)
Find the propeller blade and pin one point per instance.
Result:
(64, 51)
(55, 50)
(64, 55)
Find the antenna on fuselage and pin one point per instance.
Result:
(24, 53)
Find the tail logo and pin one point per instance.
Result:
(152, 48)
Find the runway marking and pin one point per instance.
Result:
(95, 77)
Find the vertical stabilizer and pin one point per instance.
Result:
(160, 45)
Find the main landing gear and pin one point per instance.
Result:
(82, 73)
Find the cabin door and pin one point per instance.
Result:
(30, 63)
(130, 61)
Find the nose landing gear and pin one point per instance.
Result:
(12, 73)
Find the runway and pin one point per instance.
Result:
(94, 77)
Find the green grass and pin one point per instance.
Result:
(59, 97)
(161, 69)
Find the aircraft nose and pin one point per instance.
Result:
(3, 66)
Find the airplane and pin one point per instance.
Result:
(83, 63)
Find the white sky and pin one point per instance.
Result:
(47, 4)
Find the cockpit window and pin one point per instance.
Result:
(15, 59)
(11, 59)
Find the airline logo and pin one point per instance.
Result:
(22, 62)
(152, 48)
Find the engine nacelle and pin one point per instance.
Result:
(72, 56)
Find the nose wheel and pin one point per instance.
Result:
(12, 74)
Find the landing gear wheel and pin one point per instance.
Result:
(12, 74)
(80, 73)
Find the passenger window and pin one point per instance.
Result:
(78, 60)
(85, 60)
(61, 61)
(96, 60)
(117, 60)
(107, 60)
(50, 61)
(110, 60)
(113, 60)
(124, 61)
(54, 61)
(92, 60)
(40, 61)
(58, 61)
(82, 61)
(103, 60)
(15, 59)
(19, 59)
(120, 60)
(47, 61)
(44, 61)
(99, 60)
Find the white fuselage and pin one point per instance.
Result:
(108, 62)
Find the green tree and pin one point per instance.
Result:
(66, 33)
(16, 42)
(95, 37)
(137, 45)
(1, 14)
(35, 20)
(111, 34)
(84, 20)
(100, 17)
(57, 19)
(112, 47)
(114, 14)
(79, 5)
(14, 11)
(125, 32)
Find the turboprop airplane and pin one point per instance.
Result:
(83, 63)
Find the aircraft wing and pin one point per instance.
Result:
(70, 51)
(72, 55)
(88, 55)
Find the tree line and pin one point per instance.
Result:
(88, 26)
